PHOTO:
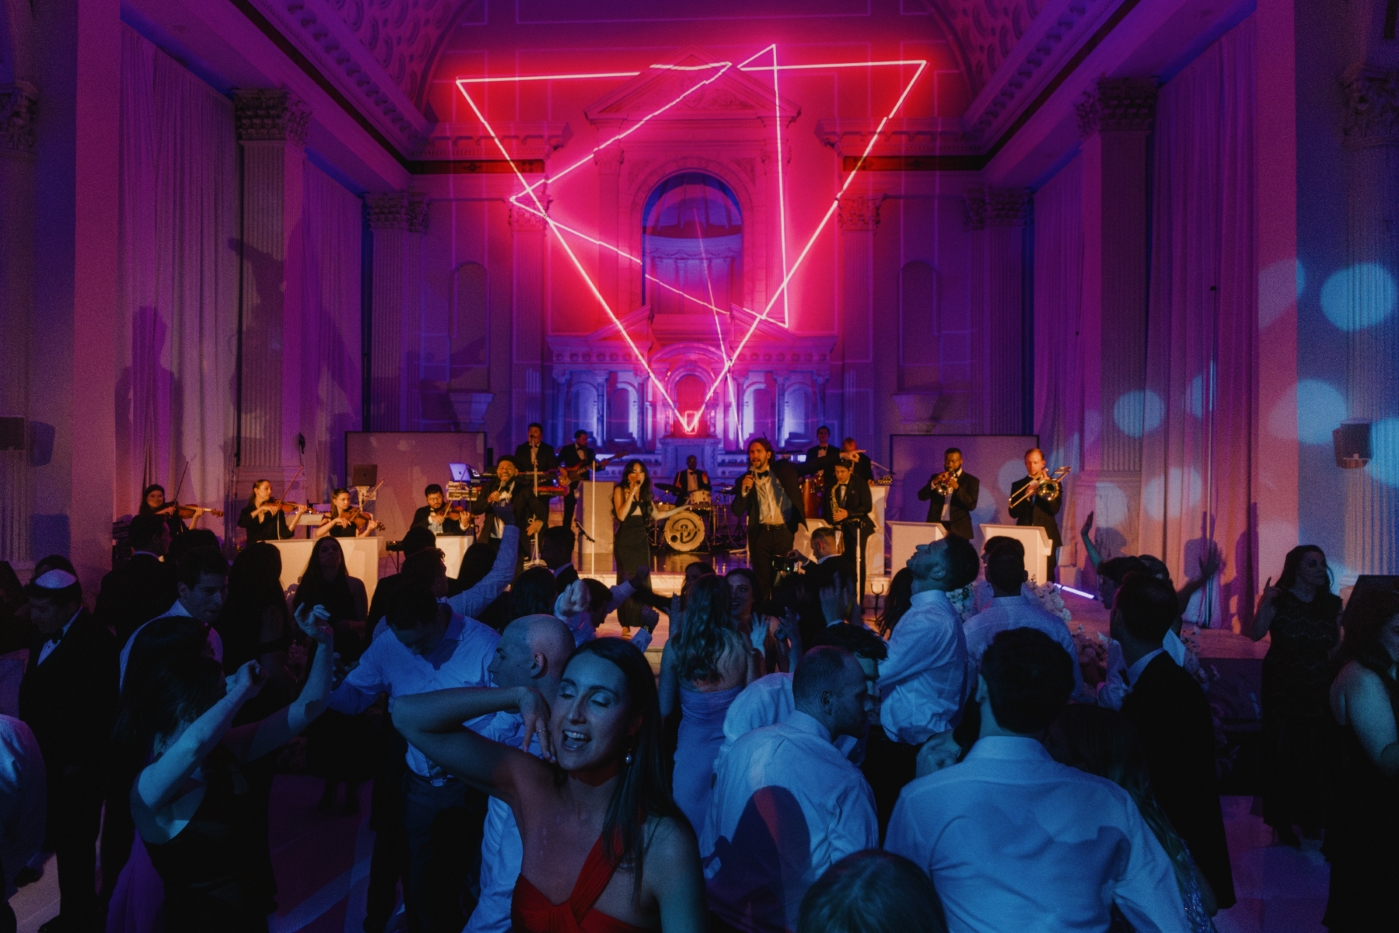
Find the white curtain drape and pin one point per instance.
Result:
(1061, 347)
(1198, 471)
(177, 294)
(330, 340)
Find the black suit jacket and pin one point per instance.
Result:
(681, 483)
(449, 527)
(547, 459)
(1034, 511)
(858, 502)
(70, 701)
(816, 463)
(134, 593)
(786, 474)
(1176, 729)
(566, 577)
(963, 501)
(570, 456)
(522, 501)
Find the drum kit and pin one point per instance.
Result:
(704, 522)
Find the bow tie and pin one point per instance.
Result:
(761, 475)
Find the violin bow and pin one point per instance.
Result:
(181, 484)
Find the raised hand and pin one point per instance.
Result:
(641, 580)
(315, 624)
(247, 681)
(1270, 592)
(1210, 562)
(534, 710)
(572, 600)
(747, 483)
(1087, 525)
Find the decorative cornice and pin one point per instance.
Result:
(1372, 107)
(397, 210)
(996, 207)
(269, 114)
(858, 213)
(927, 137)
(609, 160)
(1119, 105)
(18, 105)
(523, 221)
(522, 141)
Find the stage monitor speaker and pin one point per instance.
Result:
(12, 431)
(1352, 443)
(364, 474)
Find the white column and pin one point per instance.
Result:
(997, 217)
(271, 128)
(1371, 139)
(396, 222)
(18, 106)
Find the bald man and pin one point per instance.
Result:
(532, 653)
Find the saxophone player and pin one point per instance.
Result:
(1039, 504)
(951, 495)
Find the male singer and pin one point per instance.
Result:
(1039, 510)
(577, 454)
(952, 510)
(534, 454)
(770, 495)
(848, 506)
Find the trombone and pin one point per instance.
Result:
(1044, 488)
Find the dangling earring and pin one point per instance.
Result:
(627, 759)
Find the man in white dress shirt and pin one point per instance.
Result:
(1011, 608)
(23, 803)
(787, 804)
(1015, 841)
(923, 683)
(532, 652)
(428, 647)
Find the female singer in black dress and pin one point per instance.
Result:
(189, 799)
(1362, 820)
(263, 517)
(1303, 616)
(635, 508)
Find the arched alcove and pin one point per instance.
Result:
(692, 244)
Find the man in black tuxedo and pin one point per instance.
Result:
(953, 511)
(770, 495)
(690, 479)
(820, 457)
(849, 507)
(534, 454)
(141, 588)
(556, 550)
(1173, 720)
(68, 698)
(433, 516)
(1039, 510)
(531, 512)
(577, 454)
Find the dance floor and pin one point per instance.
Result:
(322, 863)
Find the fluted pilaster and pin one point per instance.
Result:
(528, 353)
(858, 218)
(397, 221)
(997, 218)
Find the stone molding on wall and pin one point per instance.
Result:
(525, 141)
(1372, 106)
(523, 221)
(609, 160)
(996, 207)
(269, 114)
(858, 213)
(18, 106)
(1118, 105)
(397, 210)
(917, 137)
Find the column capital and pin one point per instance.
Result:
(857, 212)
(270, 114)
(1118, 105)
(1006, 207)
(609, 160)
(974, 210)
(397, 210)
(18, 105)
(1372, 106)
(524, 221)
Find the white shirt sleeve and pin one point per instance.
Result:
(855, 827)
(1147, 892)
(472, 602)
(362, 685)
(621, 593)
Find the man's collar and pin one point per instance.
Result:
(1134, 672)
(1009, 748)
(179, 610)
(1017, 599)
(930, 597)
(805, 722)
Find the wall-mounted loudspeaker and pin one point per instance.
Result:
(12, 431)
(1352, 442)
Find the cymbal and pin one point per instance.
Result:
(669, 487)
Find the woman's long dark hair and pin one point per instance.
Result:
(252, 496)
(144, 508)
(334, 593)
(702, 639)
(644, 494)
(254, 586)
(643, 790)
(181, 689)
(334, 509)
(898, 602)
(533, 593)
(1367, 615)
(1293, 562)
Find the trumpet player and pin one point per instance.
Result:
(1040, 504)
(951, 495)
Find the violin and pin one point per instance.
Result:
(190, 511)
(450, 513)
(280, 505)
(358, 517)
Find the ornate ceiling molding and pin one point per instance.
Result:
(735, 96)
(927, 137)
(18, 106)
(262, 115)
(373, 51)
(470, 141)
(1118, 105)
(1372, 107)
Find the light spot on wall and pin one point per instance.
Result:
(1195, 393)
(1384, 451)
(1172, 494)
(1279, 286)
(1308, 412)
(1359, 296)
(1138, 412)
(1109, 506)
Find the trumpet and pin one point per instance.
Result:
(941, 485)
(1048, 488)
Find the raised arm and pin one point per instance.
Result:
(669, 686)
(432, 723)
(1085, 533)
(256, 739)
(1370, 714)
(473, 601)
(161, 780)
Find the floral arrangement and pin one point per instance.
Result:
(964, 601)
(1050, 599)
(1092, 654)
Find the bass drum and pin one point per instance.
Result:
(684, 532)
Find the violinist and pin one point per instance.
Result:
(264, 518)
(345, 521)
(153, 503)
(437, 517)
